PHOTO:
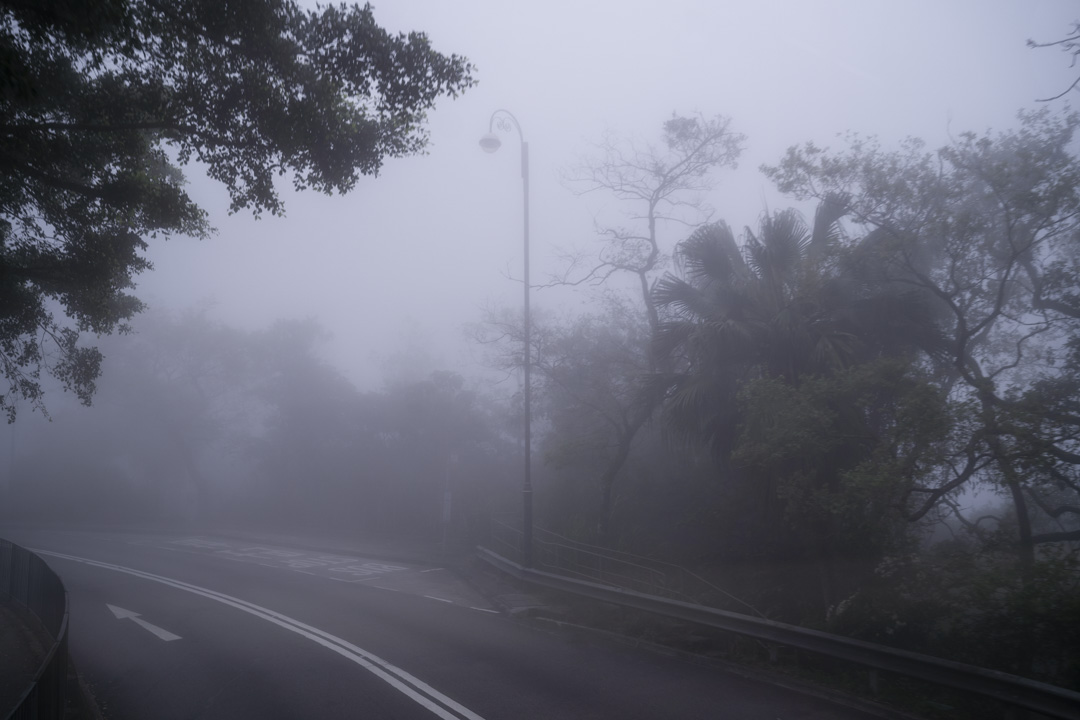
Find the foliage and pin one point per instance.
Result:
(986, 230)
(173, 412)
(837, 454)
(962, 599)
(779, 305)
(98, 99)
(592, 370)
(799, 378)
(587, 389)
(591, 365)
(200, 421)
(662, 185)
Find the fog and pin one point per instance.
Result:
(398, 271)
(323, 371)
(411, 256)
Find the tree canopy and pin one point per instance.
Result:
(986, 230)
(99, 103)
(915, 349)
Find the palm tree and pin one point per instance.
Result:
(790, 304)
(793, 301)
(771, 308)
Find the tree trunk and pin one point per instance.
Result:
(611, 473)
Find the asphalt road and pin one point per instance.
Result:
(185, 627)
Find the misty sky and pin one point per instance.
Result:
(403, 262)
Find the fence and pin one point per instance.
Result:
(26, 579)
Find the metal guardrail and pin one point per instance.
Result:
(573, 558)
(26, 579)
(1016, 691)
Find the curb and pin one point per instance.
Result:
(82, 703)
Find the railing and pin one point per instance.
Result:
(1015, 691)
(573, 558)
(26, 579)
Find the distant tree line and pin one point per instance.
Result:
(195, 421)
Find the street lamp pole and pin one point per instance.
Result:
(504, 120)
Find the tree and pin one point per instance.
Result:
(589, 370)
(1070, 44)
(173, 408)
(763, 338)
(987, 230)
(777, 305)
(179, 392)
(829, 461)
(99, 99)
(311, 447)
(445, 456)
(592, 370)
(662, 185)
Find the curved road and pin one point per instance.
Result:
(185, 627)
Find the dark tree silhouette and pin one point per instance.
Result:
(97, 99)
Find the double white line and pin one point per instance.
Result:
(413, 688)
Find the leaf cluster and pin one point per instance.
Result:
(100, 99)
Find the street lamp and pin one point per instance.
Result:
(503, 120)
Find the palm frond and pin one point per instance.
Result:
(685, 300)
(711, 255)
(670, 336)
(827, 230)
(833, 351)
(777, 252)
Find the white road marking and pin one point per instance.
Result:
(432, 597)
(412, 687)
(319, 564)
(122, 614)
(488, 610)
(432, 570)
(201, 542)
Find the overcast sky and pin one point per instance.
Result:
(408, 258)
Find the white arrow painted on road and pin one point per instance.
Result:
(122, 614)
(412, 687)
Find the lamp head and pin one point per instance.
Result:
(490, 142)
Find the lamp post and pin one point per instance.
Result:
(503, 120)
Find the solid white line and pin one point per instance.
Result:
(410, 686)
(486, 610)
(431, 570)
(432, 597)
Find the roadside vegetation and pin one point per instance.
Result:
(864, 421)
